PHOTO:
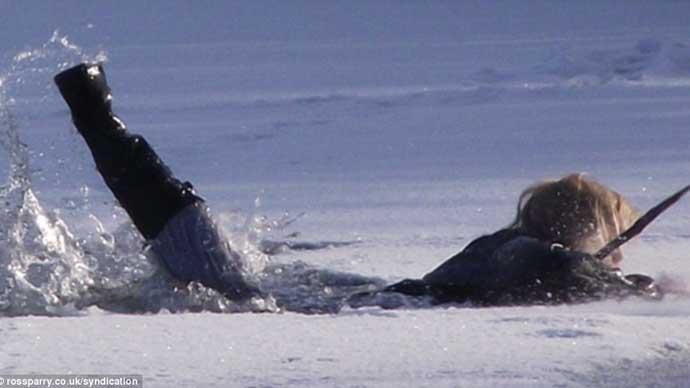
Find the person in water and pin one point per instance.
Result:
(170, 215)
(546, 255)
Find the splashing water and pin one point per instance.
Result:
(45, 269)
(39, 271)
(298, 286)
(29, 70)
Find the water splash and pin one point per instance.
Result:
(295, 286)
(27, 72)
(43, 269)
(39, 270)
(46, 269)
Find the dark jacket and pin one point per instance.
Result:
(512, 268)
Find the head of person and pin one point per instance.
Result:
(575, 211)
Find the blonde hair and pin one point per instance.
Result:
(575, 211)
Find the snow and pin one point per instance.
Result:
(391, 134)
(544, 347)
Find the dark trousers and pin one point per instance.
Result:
(141, 182)
(189, 246)
(143, 185)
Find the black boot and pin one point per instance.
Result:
(141, 182)
(85, 89)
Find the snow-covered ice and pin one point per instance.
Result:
(357, 143)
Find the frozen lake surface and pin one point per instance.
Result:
(358, 144)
